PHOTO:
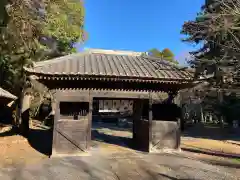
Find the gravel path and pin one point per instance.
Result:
(145, 167)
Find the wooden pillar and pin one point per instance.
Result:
(137, 110)
(89, 133)
(141, 126)
(180, 123)
(150, 121)
(178, 136)
(56, 113)
(172, 96)
(134, 118)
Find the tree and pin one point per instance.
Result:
(36, 30)
(155, 53)
(64, 24)
(166, 54)
(217, 29)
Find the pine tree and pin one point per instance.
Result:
(216, 28)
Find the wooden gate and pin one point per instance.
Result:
(71, 128)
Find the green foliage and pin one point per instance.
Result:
(34, 31)
(216, 28)
(3, 13)
(6, 72)
(64, 20)
(166, 54)
(230, 107)
(155, 53)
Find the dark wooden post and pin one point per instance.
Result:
(134, 119)
(137, 112)
(179, 119)
(89, 133)
(171, 96)
(179, 133)
(56, 113)
(150, 121)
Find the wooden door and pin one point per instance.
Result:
(71, 128)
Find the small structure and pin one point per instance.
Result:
(6, 96)
(6, 100)
(77, 80)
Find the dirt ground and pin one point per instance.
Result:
(121, 167)
(214, 139)
(211, 145)
(15, 149)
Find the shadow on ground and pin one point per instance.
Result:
(172, 178)
(113, 126)
(214, 132)
(110, 139)
(158, 176)
(108, 132)
(223, 164)
(41, 140)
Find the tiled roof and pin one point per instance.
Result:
(111, 64)
(6, 94)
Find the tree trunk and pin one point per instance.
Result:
(220, 98)
(25, 117)
(202, 115)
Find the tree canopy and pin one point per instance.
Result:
(34, 31)
(216, 28)
(165, 54)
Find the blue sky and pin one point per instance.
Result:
(139, 25)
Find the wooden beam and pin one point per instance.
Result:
(82, 95)
(72, 98)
